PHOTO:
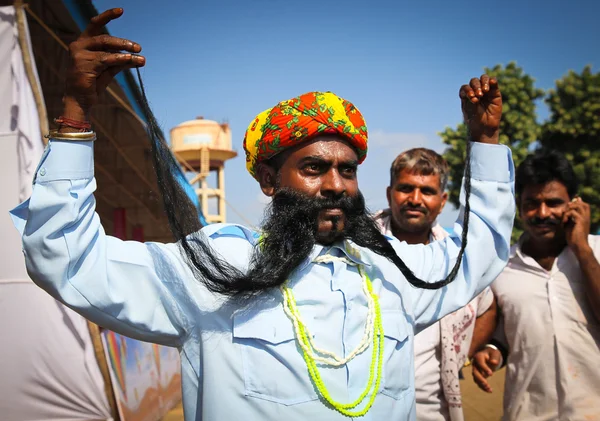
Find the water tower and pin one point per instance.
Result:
(204, 146)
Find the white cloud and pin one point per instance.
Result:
(400, 142)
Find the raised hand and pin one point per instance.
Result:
(485, 363)
(577, 224)
(481, 103)
(95, 58)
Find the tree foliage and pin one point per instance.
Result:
(574, 129)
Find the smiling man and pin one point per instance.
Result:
(313, 317)
(416, 196)
(549, 297)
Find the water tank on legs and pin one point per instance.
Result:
(202, 146)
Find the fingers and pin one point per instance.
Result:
(121, 60)
(480, 360)
(467, 93)
(579, 205)
(481, 381)
(576, 210)
(475, 84)
(567, 216)
(477, 88)
(97, 23)
(485, 83)
(493, 84)
(108, 43)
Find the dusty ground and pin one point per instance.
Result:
(478, 405)
(481, 406)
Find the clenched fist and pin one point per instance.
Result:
(481, 103)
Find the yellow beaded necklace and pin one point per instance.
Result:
(373, 331)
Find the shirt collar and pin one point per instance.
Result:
(341, 248)
(517, 251)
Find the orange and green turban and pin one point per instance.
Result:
(299, 119)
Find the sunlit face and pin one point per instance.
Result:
(541, 209)
(325, 167)
(415, 201)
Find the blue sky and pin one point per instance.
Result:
(401, 63)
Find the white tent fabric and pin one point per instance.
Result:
(48, 369)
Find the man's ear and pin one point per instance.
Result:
(444, 200)
(388, 193)
(267, 178)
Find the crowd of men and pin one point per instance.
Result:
(326, 312)
(540, 318)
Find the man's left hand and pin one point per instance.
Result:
(481, 103)
(577, 225)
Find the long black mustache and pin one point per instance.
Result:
(273, 262)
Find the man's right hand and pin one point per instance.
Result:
(485, 363)
(95, 58)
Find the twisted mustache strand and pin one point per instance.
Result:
(279, 256)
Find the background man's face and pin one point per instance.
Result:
(541, 208)
(415, 201)
(325, 167)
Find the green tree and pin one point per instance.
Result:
(574, 129)
(518, 129)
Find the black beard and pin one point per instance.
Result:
(288, 236)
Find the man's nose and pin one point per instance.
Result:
(415, 198)
(332, 184)
(544, 211)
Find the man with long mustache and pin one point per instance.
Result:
(313, 317)
(549, 299)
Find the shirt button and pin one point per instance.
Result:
(43, 172)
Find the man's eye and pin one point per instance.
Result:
(313, 167)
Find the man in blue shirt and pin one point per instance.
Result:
(313, 317)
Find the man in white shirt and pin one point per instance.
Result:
(549, 299)
(416, 196)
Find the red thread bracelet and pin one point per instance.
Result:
(75, 124)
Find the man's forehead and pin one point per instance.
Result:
(551, 189)
(325, 147)
(415, 177)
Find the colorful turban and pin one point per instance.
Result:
(299, 119)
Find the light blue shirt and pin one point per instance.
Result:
(244, 364)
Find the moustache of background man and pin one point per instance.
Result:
(550, 221)
(412, 211)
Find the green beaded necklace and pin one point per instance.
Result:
(308, 351)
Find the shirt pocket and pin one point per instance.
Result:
(273, 366)
(398, 369)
